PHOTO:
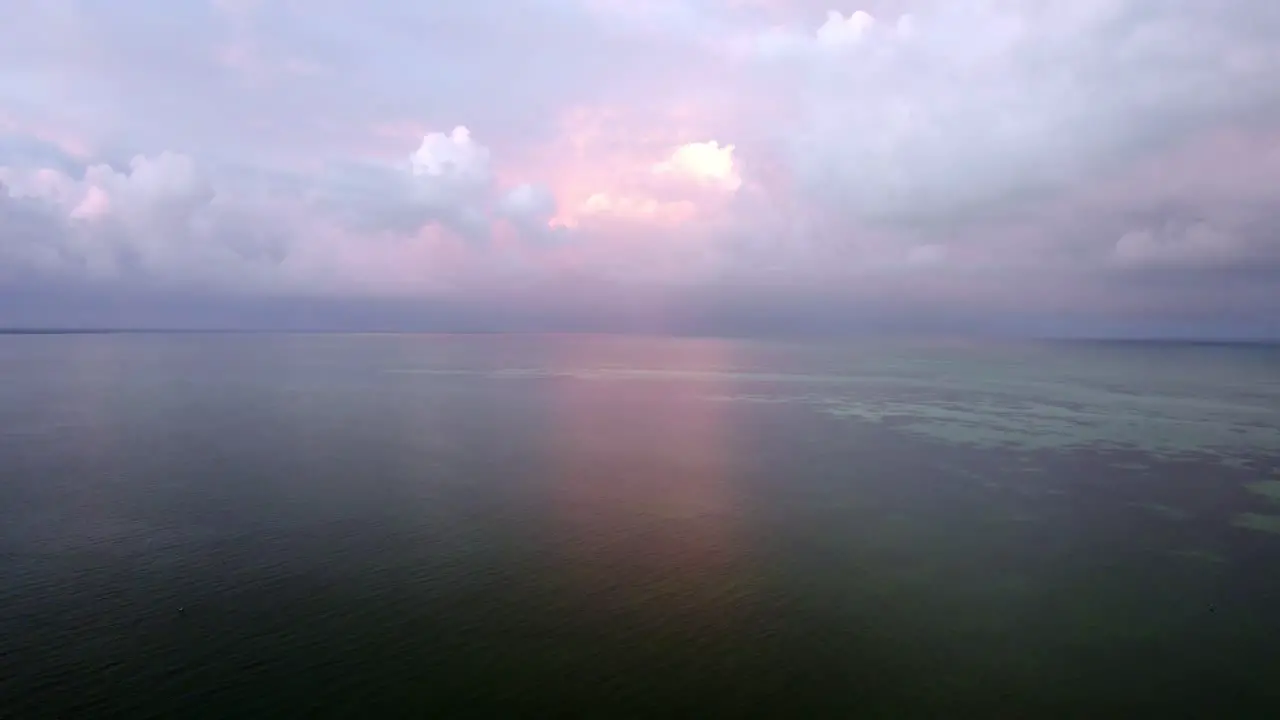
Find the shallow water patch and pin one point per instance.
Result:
(1167, 512)
(1258, 522)
(1269, 489)
(1200, 556)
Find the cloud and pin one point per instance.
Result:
(702, 162)
(962, 105)
(159, 222)
(163, 221)
(447, 179)
(839, 30)
(531, 206)
(1057, 157)
(27, 225)
(927, 254)
(1196, 244)
(452, 161)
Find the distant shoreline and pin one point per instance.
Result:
(1208, 342)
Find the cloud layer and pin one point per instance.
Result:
(1053, 166)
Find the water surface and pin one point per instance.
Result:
(506, 526)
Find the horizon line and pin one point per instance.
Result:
(1117, 338)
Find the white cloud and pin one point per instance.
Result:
(454, 159)
(160, 222)
(703, 162)
(166, 190)
(164, 221)
(840, 30)
(962, 104)
(448, 180)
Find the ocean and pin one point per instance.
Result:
(328, 525)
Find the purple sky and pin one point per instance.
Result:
(1043, 166)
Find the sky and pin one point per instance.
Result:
(719, 166)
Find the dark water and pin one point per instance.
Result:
(364, 526)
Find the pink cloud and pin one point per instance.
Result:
(96, 204)
(68, 141)
(608, 166)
